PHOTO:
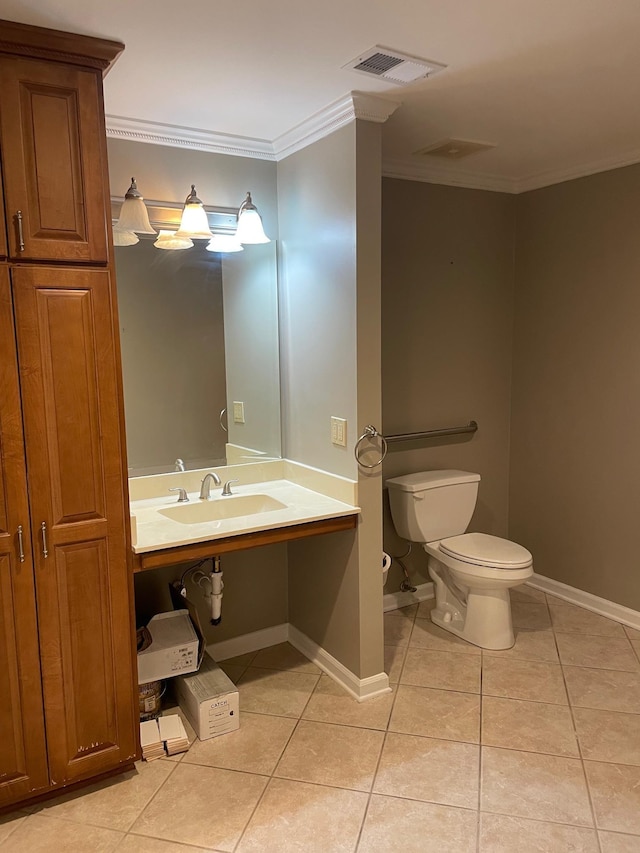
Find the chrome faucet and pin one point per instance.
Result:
(206, 485)
(226, 491)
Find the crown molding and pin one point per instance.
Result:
(546, 179)
(138, 130)
(355, 105)
(408, 169)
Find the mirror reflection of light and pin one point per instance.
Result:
(224, 243)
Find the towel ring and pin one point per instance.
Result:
(371, 432)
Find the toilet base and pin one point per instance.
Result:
(481, 617)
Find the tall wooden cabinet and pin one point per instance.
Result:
(68, 707)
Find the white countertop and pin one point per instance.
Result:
(152, 531)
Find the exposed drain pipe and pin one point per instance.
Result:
(216, 592)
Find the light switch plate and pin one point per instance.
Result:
(238, 412)
(339, 431)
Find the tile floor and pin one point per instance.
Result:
(535, 750)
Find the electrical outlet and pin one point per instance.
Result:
(238, 412)
(339, 431)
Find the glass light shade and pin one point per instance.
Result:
(169, 240)
(224, 243)
(250, 228)
(133, 213)
(194, 223)
(124, 238)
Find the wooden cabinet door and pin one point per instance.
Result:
(71, 404)
(51, 130)
(23, 762)
(3, 229)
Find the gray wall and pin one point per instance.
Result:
(317, 212)
(575, 485)
(447, 317)
(329, 203)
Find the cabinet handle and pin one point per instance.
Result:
(20, 544)
(43, 527)
(20, 232)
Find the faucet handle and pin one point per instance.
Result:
(183, 496)
(227, 487)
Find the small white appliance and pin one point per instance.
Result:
(471, 572)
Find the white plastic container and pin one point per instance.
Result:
(173, 649)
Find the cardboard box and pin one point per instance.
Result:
(209, 699)
(174, 648)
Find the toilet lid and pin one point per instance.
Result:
(485, 550)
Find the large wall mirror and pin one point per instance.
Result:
(200, 355)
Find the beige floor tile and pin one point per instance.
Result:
(393, 661)
(569, 619)
(329, 703)
(437, 771)
(530, 645)
(425, 608)
(393, 825)
(295, 816)
(536, 786)
(632, 633)
(597, 652)
(234, 672)
(9, 823)
(436, 713)
(255, 747)
(426, 635)
(636, 647)
(612, 842)
(398, 625)
(528, 726)
(269, 691)
(604, 689)
(442, 670)
(239, 660)
(344, 756)
(534, 615)
(523, 679)
(115, 803)
(502, 834)
(202, 806)
(608, 735)
(615, 792)
(527, 594)
(142, 844)
(284, 656)
(42, 834)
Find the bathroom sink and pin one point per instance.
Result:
(221, 508)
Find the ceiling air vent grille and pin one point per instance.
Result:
(392, 66)
(378, 63)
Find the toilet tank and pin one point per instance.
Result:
(432, 505)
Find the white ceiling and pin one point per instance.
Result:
(553, 84)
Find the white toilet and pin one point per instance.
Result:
(472, 572)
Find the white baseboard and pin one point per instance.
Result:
(249, 642)
(394, 600)
(359, 688)
(601, 606)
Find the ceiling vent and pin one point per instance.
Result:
(392, 66)
(454, 149)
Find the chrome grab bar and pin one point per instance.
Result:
(472, 426)
(370, 432)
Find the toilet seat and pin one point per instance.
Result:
(480, 549)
